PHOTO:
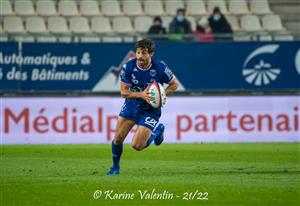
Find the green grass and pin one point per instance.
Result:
(232, 174)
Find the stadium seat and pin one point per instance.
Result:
(250, 23)
(132, 7)
(89, 8)
(24, 38)
(211, 4)
(195, 8)
(46, 39)
(203, 20)
(111, 8)
(233, 21)
(6, 8)
(154, 8)
(79, 24)
(57, 24)
(64, 39)
(13, 24)
(265, 36)
(172, 6)
(238, 7)
(101, 25)
(283, 37)
(193, 22)
(3, 38)
(128, 39)
(87, 39)
(24, 7)
(142, 23)
(46, 8)
(68, 8)
(36, 24)
(241, 37)
(111, 39)
(260, 7)
(122, 24)
(272, 23)
(1, 27)
(166, 20)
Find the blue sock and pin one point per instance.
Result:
(116, 154)
(152, 137)
(150, 140)
(157, 132)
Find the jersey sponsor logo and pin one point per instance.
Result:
(151, 122)
(134, 80)
(152, 72)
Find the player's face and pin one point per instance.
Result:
(143, 57)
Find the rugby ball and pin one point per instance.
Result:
(157, 92)
(163, 95)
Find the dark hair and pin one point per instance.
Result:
(217, 10)
(157, 18)
(145, 44)
(180, 10)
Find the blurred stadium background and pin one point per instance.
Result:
(119, 21)
(59, 67)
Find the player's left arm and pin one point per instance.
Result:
(173, 85)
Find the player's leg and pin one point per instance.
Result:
(151, 121)
(149, 129)
(122, 129)
(140, 138)
(157, 135)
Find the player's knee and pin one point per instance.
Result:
(118, 141)
(137, 147)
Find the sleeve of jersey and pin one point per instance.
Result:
(167, 75)
(125, 76)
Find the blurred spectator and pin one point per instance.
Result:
(203, 31)
(180, 24)
(220, 25)
(157, 27)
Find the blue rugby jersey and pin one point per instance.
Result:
(138, 79)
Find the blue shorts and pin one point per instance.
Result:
(139, 116)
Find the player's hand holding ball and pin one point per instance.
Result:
(145, 95)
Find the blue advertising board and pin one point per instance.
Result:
(198, 66)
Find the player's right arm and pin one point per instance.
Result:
(126, 93)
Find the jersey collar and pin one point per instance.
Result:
(142, 68)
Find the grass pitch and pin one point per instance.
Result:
(232, 174)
